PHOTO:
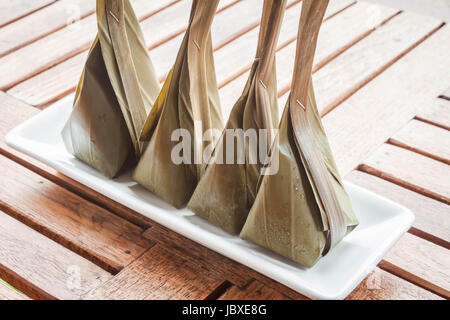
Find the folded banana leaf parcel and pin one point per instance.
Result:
(228, 189)
(302, 211)
(115, 94)
(181, 127)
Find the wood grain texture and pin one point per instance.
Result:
(410, 170)
(426, 264)
(431, 216)
(382, 285)
(65, 43)
(236, 58)
(42, 22)
(215, 263)
(346, 74)
(381, 108)
(52, 84)
(41, 268)
(13, 113)
(46, 52)
(61, 79)
(336, 35)
(437, 112)
(94, 233)
(8, 293)
(254, 291)
(12, 10)
(446, 94)
(394, 287)
(424, 138)
(158, 274)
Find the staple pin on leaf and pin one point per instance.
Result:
(196, 44)
(262, 83)
(115, 18)
(300, 104)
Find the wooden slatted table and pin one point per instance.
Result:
(382, 79)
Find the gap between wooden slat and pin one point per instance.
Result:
(247, 29)
(288, 42)
(219, 291)
(429, 237)
(227, 6)
(104, 263)
(80, 190)
(86, 46)
(373, 171)
(232, 38)
(27, 14)
(419, 118)
(145, 17)
(400, 144)
(401, 273)
(43, 35)
(336, 54)
(21, 284)
(352, 91)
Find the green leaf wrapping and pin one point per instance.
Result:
(295, 210)
(190, 95)
(226, 193)
(118, 82)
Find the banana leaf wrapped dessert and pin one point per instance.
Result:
(303, 211)
(115, 94)
(228, 189)
(187, 108)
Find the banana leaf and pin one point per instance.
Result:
(115, 94)
(189, 104)
(302, 211)
(227, 191)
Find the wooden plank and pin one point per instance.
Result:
(243, 14)
(426, 264)
(432, 217)
(173, 21)
(378, 285)
(382, 285)
(158, 274)
(424, 138)
(43, 22)
(220, 266)
(381, 108)
(262, 287)
(96, 234)
(12, 10)
(60, 80)
(67, 42)
(410, 170)
(236, 58)
(41, 268)
(336, 35)
(52, 84)
(254, 291)
(46, 52)
(167, 23)
(346, 74)
(8, 293)
(14, 112)
(209, 254)
(437, 113)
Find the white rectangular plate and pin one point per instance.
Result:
(382, 222)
